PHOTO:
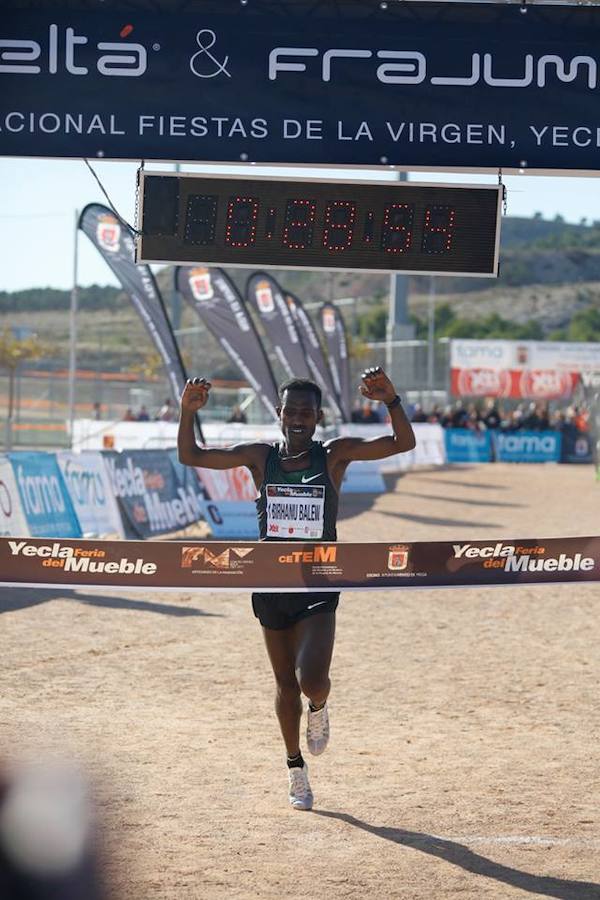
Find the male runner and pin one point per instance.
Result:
(298, 628)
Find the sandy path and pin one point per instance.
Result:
(463, 760)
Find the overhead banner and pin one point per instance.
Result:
(429, 85)
(114, 242)
(269, 300)
(217, 302)
(297, 566)
(315, 358)
(529, 370)
(336, 341)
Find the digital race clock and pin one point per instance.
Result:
(318, 224)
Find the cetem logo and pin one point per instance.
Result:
(484, 383)
(108, 233)
(200, 284)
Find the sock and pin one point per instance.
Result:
(295, 761)
(315, 708)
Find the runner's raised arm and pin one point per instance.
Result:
(195, 397)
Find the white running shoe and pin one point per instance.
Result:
(317, 730)
(300, 795)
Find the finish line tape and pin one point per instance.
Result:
(295, 566)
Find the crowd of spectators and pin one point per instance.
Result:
(492, 415)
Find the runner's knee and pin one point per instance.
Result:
(314, 685)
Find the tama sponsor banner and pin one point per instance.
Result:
(527, 446)
(91, 493)
(534, 370)
(297, 566)
(150, 498)
(465, 445)
(12, 517)
(218, 303)
(44, 496)
(420, 84)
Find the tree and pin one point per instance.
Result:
(13, 352)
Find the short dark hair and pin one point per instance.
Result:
(301, 384)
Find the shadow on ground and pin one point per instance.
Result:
(461, 856)
(15, 598)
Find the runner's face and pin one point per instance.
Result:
(299, 417)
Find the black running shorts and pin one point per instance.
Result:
(279, 611)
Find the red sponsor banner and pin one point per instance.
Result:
(295, 565)
(524, 384)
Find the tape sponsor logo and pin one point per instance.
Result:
(81, 559)
(398, 558)
(561, 563)
(317, 555)
(521, 558)
(228, 560)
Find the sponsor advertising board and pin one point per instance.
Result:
(532, 370)
(421, 84)
(465, 445)
(12, 517)
(45, 499)
(527, 446)
(91, 492)
(297, 566)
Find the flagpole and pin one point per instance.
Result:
(73, 330)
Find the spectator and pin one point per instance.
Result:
(356, 414)
(238, 415)
(97, 408)
(435, 416)
(167, 412)
(491, 416)
(129, 416)
(418, 414)
(143, 415)
(531, 421)
(459, 416)
(368, 415)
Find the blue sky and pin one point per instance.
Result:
(40, 197)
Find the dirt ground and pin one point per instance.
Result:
(464, 753)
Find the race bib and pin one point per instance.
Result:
(295, 511)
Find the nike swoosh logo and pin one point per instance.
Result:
(305, 480)
(320, 603)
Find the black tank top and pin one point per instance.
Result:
(296, 506)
